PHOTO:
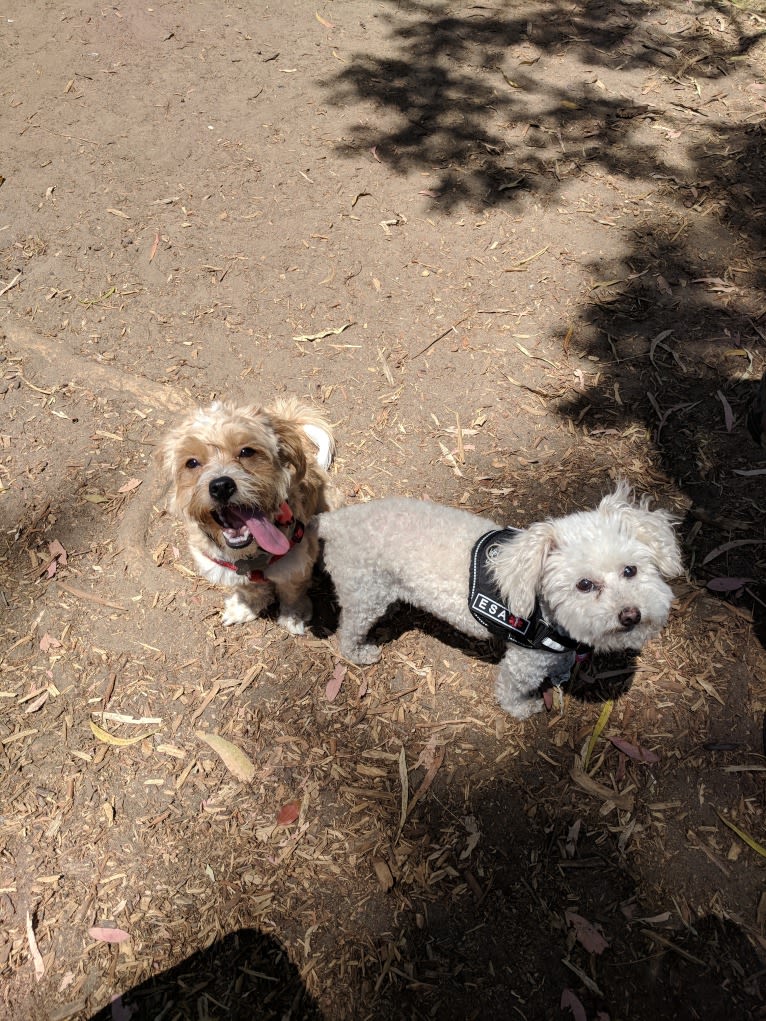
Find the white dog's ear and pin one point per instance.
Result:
(655, 529)
(519, 566)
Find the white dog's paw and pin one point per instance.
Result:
(522, 708)
(519, 704)
(235, 611)
(362, 655)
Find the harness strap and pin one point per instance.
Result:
(487, 606)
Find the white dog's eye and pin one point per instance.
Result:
(192, 463)
(247, 452)
(585, 585)
(629, 572)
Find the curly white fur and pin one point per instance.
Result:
(598, 576)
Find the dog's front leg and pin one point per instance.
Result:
(291, 576)
(522, 674)
(245, 603)
(294, 604)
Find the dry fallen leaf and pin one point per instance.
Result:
(634, 751)
(433, 768)
(118, 742)
(47, 642)
(288, 813)
(727, 584)
(734, 544)
(323, 333)
(108, 934)
(586, 933)
(758, 848)
(38, 702)
(624, 802)
(404, 781)
(33, 949)
(335, 682)
(384, 874)
(235, 760)
(428, 753)
(120, 1012)
(601, 722)
(57, 554)
(129, 486)
(569, 999)
(728, 414)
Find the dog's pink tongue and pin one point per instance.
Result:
(267, 535)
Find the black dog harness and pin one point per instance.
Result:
(487, 606)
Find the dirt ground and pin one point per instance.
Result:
(513, 251)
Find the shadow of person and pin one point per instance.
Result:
(245, 976)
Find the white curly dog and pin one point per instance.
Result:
(591, 580)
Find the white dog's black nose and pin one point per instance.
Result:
(222, 489)
(629, 616)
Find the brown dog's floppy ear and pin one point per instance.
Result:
(165, 455)
(290, 444)
(518, 567)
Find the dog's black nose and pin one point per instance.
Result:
(222, 489)
(629, 616)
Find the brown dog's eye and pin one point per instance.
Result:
(629, 572)
(585, 585)
(192, 463)
(247, 452)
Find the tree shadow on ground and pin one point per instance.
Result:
(463, 96)
(500, 107)
(678, 341)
